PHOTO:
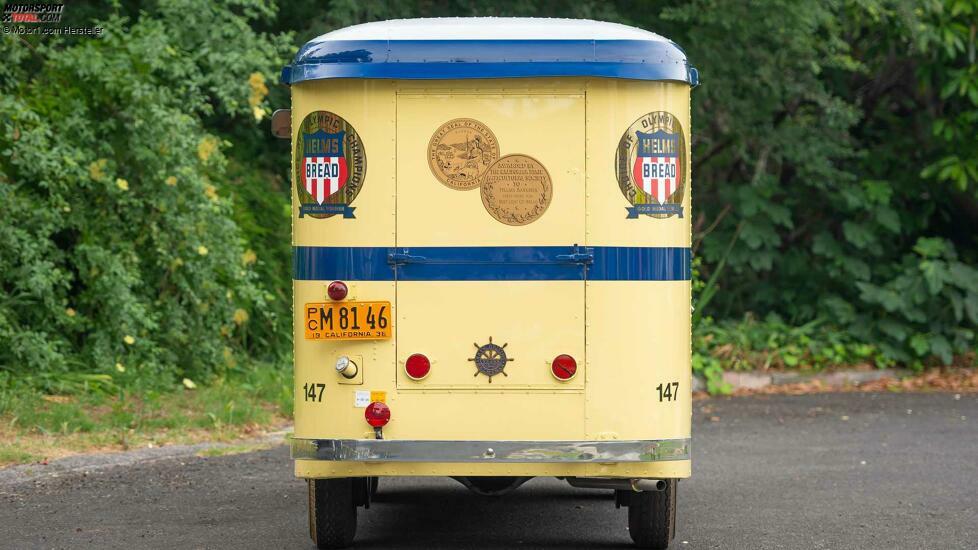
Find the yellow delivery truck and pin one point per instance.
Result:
(491, 249)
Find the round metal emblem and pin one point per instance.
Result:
(490, 359)
(330, 165)
(517, 190)
(651, 166)
(460, 151)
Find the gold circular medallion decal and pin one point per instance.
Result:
(651, 164)
(516, 190)
(330, 166)
(460, 152)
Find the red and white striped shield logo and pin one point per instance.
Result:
(657, 170)
(324, 170)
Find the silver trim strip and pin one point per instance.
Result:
(389, 450)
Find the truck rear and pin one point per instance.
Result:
(491, 261)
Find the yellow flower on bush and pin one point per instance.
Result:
(211, 192)
(122, 184)
(258, 93)
(206, 148)
(202, 250)
(96, 169)
(249, 257)
(258, 89)
(129, 340)
(240, 317)
(171, 181)
(120, 367)
(70, 312)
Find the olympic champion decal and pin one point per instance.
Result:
(330, 165)
(650, 164)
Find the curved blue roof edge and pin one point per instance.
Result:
(470, 59)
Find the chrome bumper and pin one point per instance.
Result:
(388, 450)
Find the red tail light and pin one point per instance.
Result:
(377, 414)
(564, 367)
(337, 290)
(417, 366)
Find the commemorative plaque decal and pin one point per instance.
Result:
(460, 151)
(330, 166)
(650, 164)
(517, 190)
(490, 359)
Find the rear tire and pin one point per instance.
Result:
(332, 512)
(652, 517)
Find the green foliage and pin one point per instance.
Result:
(119, 259)
(946, 41)
(927, 306)
(832, 139)
(771, 343)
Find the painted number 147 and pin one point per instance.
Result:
(668, 391)
(313, 392)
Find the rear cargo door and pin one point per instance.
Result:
(490, 260)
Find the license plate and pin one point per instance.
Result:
(348, 321)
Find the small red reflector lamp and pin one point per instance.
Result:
(377, 414)
(417, 366)
(337, 290)
(564, 367)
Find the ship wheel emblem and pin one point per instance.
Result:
(490, 359)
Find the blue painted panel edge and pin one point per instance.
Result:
(468, 59)
(490, 264)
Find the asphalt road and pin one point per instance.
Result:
(822, 471)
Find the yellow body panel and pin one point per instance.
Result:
(369, 106)
(611, 107)
(536, 319)
(629, 358)
(628, 336)
(524, 122)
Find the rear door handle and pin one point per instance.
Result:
(398, 258)
(581, 255)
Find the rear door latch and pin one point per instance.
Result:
(580, 255)
(400, 258)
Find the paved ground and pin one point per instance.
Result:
(821, 471)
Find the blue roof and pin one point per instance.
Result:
(487, 47)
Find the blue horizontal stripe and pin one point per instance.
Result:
(490, 263)
(619, 263)
(464, 59)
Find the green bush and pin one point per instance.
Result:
(928, 303)
(119, 257)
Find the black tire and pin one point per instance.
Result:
(332, 512)
(652, 517)
(361, 491)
